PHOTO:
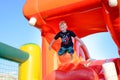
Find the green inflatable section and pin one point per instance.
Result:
(11, 53)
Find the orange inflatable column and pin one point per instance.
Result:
(49, 58)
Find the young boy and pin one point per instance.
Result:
(66, 36)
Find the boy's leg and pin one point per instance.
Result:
(62, 51)
(71, 52)
(71, 55)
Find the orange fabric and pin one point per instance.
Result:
(47, 58)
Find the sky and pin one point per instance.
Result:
(15, 31)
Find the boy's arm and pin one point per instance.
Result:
(83, 47)
(79, 40)
(51, 44)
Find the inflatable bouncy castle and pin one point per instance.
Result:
(84, 17)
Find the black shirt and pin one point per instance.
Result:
(66, 38)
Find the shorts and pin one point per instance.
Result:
(64, 50)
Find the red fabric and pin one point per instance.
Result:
(77, 71)
(80, 74)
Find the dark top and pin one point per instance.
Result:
(66, 38)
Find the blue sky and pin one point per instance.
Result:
(14, 28)
(15, 31)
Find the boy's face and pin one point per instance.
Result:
(63, 27)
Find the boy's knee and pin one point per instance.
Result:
(70, 50)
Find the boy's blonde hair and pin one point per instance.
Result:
(61, 23)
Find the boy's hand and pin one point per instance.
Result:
(49, 47)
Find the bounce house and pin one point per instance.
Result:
(84, 17)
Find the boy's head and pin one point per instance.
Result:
(63, 26)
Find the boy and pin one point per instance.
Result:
(66, 36)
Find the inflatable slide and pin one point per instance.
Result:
(84, 17)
